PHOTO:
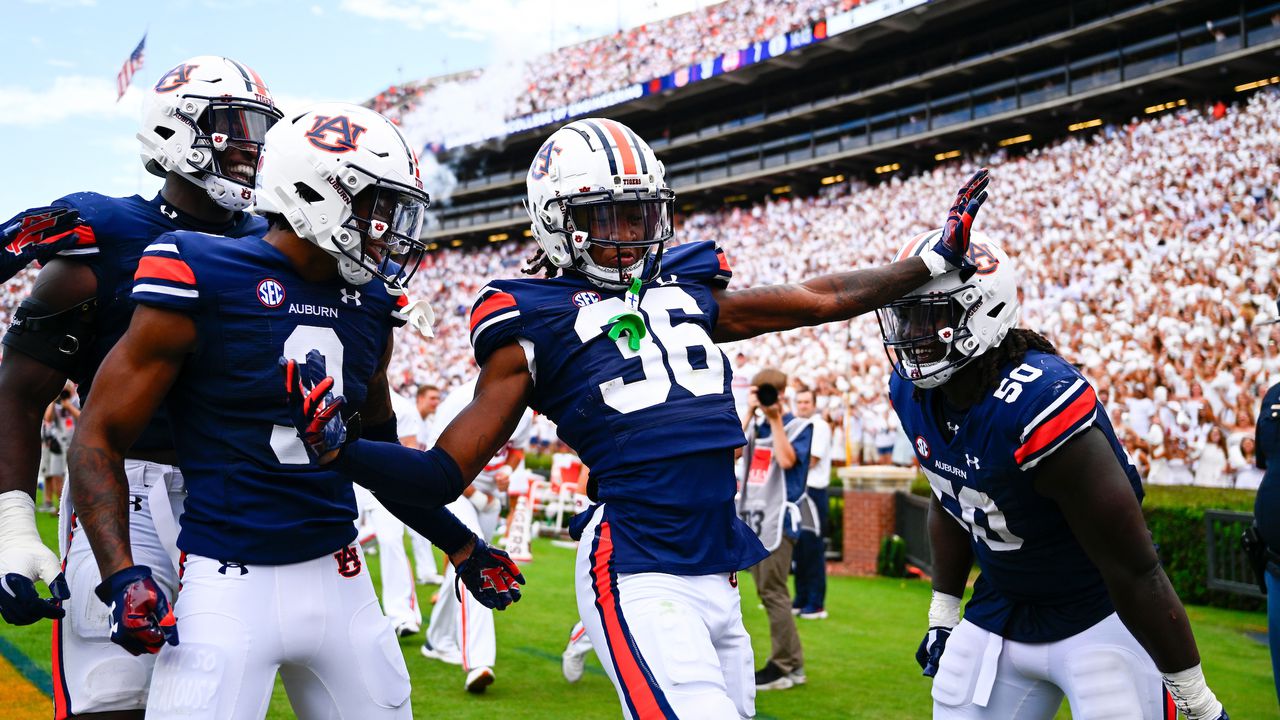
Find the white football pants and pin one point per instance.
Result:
(465, 629)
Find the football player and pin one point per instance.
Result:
(1030, 481)
(272, 578)
(617, 347)
(202, 130)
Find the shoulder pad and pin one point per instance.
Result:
(703, 260)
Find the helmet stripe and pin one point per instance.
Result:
(608, 152)
(915, 246)
(244, 73)
(635, 142)
(624, 147)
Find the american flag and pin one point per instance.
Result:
(131, 66)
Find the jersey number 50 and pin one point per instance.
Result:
(664, 354)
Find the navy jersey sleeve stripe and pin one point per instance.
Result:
(164, 279)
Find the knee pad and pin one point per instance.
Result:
(376, 652)
(967, 670)
(187, 680)
(116, 680)
(1107, 682)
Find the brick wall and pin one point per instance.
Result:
(868, 518)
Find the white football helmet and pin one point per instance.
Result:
(344, 178)
(595, 182)
(947, 322)
(205, 120)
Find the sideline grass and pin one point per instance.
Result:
(859, 662)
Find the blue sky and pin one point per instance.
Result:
(62, 131)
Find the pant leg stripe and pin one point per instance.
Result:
(61, 698)
(1170, 709)
(643, 694)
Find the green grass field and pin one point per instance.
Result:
(859, 662)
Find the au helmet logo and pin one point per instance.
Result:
(336, 134)
(175, 78)
(542, 161)
(271, 293)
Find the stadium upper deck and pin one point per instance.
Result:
(899, 93)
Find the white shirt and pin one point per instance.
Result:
(408, 422)
(820, 449)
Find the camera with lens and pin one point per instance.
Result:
(769, 384)
(64, 395)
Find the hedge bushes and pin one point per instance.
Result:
(1175, 515)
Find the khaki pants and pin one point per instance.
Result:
(771, 582)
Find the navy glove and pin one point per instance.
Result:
(20, 604)
(929, 653)
(491, 576)
(953, 246)
(141, 621)
(316, 413)
(39, 234)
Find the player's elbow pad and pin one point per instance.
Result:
(423, 479)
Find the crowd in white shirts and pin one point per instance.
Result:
(1149, 255)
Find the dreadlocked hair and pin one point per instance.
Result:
(1010, 350)
(539, 263)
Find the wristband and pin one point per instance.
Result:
(1192, 695)
(944, 610)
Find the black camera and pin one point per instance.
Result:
(767, 395)
(64, 395)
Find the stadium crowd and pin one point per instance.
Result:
(1148, 253)
(561, 78)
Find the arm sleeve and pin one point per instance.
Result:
(423, 479)
(1064, 408)
(495, 322)
(164, 279)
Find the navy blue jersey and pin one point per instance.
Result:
(253, 495)
(1266, 507)
(656, 426)
(117, 230)
(1037, 584)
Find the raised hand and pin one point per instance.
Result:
(39, 234)
(141, 621)
(953, 245)
(316, 413)
(491, 576)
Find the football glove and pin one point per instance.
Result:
(929, 654)
(141, 620)
(316, 413)
(23, 560)
(953, 246)
(39, 234)
(491, 576)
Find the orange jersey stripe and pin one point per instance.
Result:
(624, 147)
(629, 672)
(724, 261)
(152, 267)
(1053, 429)
(497, 301)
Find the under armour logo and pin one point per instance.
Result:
(238, 566)
(972, 461)
(136, 502)
(165, 211)
(667, 281)
(351, 297)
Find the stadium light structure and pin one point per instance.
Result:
(498, 237)
(433, 246)
(888, 168)
(1258, 83)
(781, 190)
(947, 155)
(1151, 109)
(455, 243)
(734, 198)
(1085, 125)
(527, 232)
(1014, 140)
(832, 179)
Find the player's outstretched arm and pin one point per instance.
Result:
(437, 476)
(1086, 481)
(840, 296)
(952, 560)
(133, 380)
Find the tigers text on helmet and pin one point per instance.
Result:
(947, 322)
(595, 183)
(205, 120)
(345, 178)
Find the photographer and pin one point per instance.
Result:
(776, 465)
